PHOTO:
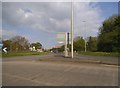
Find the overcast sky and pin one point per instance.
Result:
(41, 21)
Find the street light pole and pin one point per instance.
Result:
(72, 27)
(85, 35)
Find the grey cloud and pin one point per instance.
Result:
(7, 33)
(14, 14)
(52, 17)
(87, 19)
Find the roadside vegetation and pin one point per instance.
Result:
(107, 43)
(0, 54)
(109, 54)
(14, 54)
(20, 46)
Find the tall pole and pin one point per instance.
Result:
(72, 29)
(85, 40)
(85, 35)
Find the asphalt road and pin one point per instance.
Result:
(101, 59)
(29, 71)
(27, 58)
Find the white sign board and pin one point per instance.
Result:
(61, 37)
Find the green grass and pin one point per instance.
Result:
(14, 54)
(0, 54)
(111, 54)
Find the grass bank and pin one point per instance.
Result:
(14, 54)
(0, 54)
(111, 54)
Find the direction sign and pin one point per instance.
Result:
(4, 49)
(61, 37)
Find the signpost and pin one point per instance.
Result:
(66, 50)
(62, 38)
(4, 49)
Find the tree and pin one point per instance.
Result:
(7, 43)
(92, 44)
(37, 45)
(19, 43)
(109, 36)
(79, 44)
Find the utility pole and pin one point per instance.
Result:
(85, 35)
(72, 27)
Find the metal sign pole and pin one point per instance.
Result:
(68, 37)
(66, 52)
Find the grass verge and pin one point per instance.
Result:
(111, 54)
(0, 54)
(14, 54)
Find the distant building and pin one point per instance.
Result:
(39, 50)
(57, 47)
(32, 48)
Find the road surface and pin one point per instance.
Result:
(29, 71)
(77, 57)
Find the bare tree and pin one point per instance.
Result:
(19, 43)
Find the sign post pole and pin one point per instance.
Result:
(62, 38)
(66, 39)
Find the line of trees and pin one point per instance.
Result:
(79, 44)
(19, 43)
(109, 36)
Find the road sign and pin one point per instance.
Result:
(61, 37)
(4, 49)
(69, 38)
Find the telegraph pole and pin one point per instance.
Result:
(72, 27)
